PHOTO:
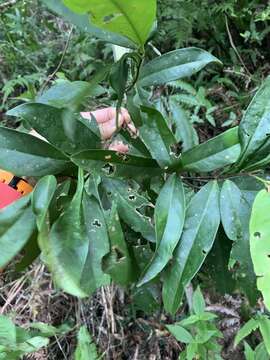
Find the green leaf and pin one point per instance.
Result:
(118, 263)
(84, 24)
(175, 65)
(77, 243)
(264, 325)
(48, 330)
(42, 197)
(180, 333)
(157, 136)
(235, 214)
(184, 131)
(61, 127)
(86, 349)
(7, 331)
(254, 128)
(198, 302)
(249, 353)
(201, 226)
(130, 206)
(261, 352)
(119, 16)
(25, 155)
(260, 244)
(214, 154)
(16, 235)
(169, 222)
(246, 330)
(86, 159)
(65, 94)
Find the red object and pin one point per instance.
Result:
(8, 195)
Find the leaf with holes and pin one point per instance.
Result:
(130, 206)
(119, 262)
(133, 19)
(175, 65)
(25, 155)
(235, 213)
(61, 127)
(169, 221)
(200, 229)
(77, 243)
(260, 243)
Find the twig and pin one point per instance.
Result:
(7, 4)
(50, 77)
(234, 47)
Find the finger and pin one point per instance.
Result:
(108, 128)
(119, 147)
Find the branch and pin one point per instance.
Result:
(7, 4)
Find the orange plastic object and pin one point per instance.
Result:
(12, 188)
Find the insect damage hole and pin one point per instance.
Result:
(96, 223)
(257, 235)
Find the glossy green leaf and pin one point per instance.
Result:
(214, 154)
(119, 16)
(249, 353)
(82, 21)
(175, 65)
(16, 235)
(254, 128)
(85, 159)
(201, 226)
(184, 131)
(42, 197)
(118, 263)
(169, 221)
(66, 94)
(260, 243)
(130, 206)
(235, 214)
(61, 127)
(86, 349)
(180, 333)
(246, 330)
(264, 325)
(25, 155)
(157, 136)
(77, 243)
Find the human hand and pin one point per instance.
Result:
(106, 119)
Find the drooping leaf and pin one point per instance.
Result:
(42, 197)
(82, 21)
(175, 65)
(214, 154)
(119, 16)
(130, 205)
(86, 349)
(61, 127)
(77, 243)
(201, 226)
(254, 128)
(260, 243)
(118, 263)
(235, 214)
(16, 235)
(157, 136)
(25, 155)
(169, 222)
